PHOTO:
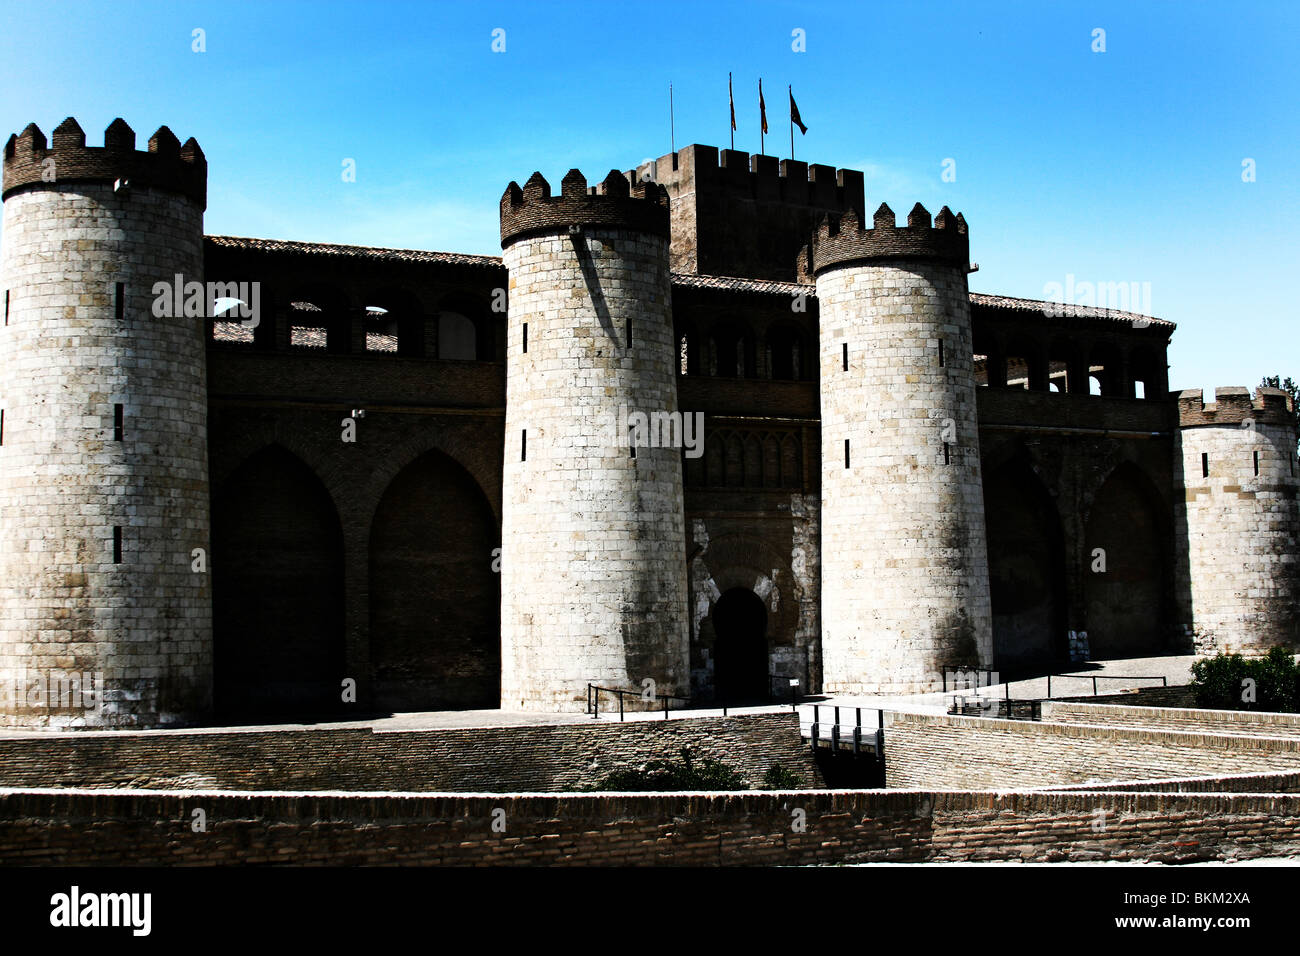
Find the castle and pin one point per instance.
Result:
(396, 480)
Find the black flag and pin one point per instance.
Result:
(794, 116)
(732, 100)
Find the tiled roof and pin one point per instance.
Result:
(683, 279)
(243, 243)
(735, 284)
(1060, 308)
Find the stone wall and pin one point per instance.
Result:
(593, 572)
(96, 572)
(485, 759)
(961, 752)
(905, 590)
(1239, 525)
(88, 827)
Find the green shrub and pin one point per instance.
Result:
(1223, 682)
(684, 774)
(778, 778)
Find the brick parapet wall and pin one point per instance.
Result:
(1236, 722)
(932, 750)
(546, 758)
(1284, 782)
(86, 827)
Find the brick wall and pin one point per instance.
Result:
(963, 752)
(1283, 782)
(1243, 723)
(494, 759)
(87, 827)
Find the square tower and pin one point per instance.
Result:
(734, 214)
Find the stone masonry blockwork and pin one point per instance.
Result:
(904, 565)
(65, 483)
(593, 585)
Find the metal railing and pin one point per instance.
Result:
(1164, 681)
(991, 674)
(1006, 708)
(877, 736)
(594, 692)
(795, 695)
(958, 672)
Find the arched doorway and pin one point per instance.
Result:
(277, 578)
(434, 596)
(1026, 569)
(740, 647)
(1126, 602)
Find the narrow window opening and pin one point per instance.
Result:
(941, 365)
(119, 300)
(1205, 465)
(523, 445)
(846, 356)
(947, 453)
(2, 426)
(629, 331)
(525, 336)
(1256, 464)
(6, 306)
(846, 453)
(117, 423)
(117, 544)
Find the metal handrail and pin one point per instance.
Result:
(593, 699)
(1164, 681)
(857, 729)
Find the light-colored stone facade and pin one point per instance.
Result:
(905, 588)
(593, 586)
(66, 608)
(1239, 535)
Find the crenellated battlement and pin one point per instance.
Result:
(1233, 405)
(613, 203)
(30, 160)
(838, 241)
(762, 178)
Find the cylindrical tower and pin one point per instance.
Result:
(104, 619)
(905, 590)
(593, 570)
(1239, 521)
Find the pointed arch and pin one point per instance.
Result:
(1127, 534)
(277, 577)
(434, 590)
(1026, 567)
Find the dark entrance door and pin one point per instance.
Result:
(740, 648)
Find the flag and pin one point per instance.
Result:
(794, 116)
(762, 107)
(732, 99)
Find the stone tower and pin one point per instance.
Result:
(103, 444)
(593, 570)
(905, 589)
(1238, 547)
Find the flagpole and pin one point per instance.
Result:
(732, 100)
(790, 90)
(761, 147)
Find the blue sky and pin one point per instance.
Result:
(1122, 166)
